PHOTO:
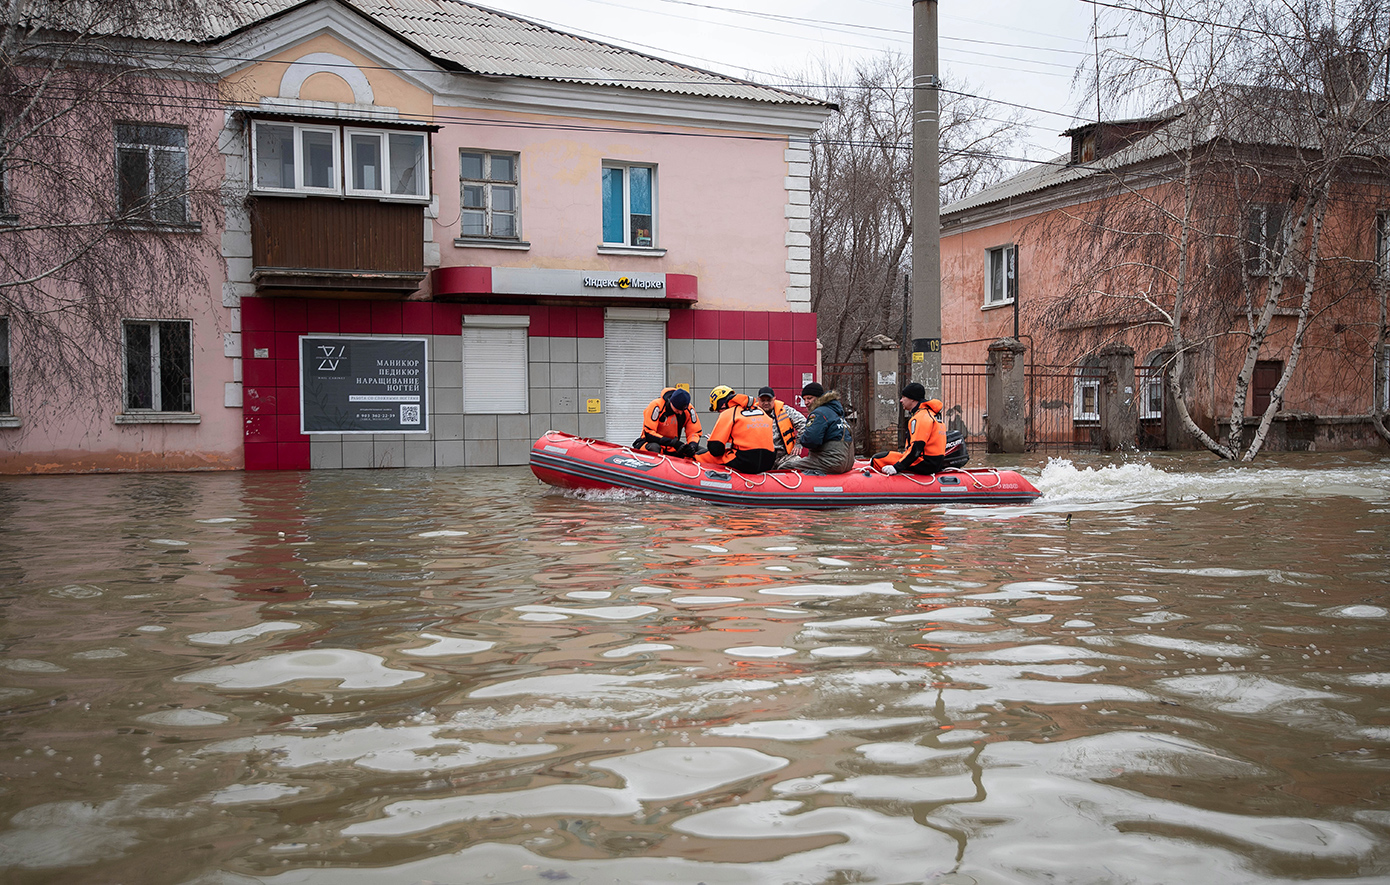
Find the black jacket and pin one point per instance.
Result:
(826, 423)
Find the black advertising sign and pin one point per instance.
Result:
(362, 385)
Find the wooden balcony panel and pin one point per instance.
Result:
(317, 243)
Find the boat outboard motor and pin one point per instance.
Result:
(956, 455)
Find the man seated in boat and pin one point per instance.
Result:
(826, 436)
(666, 418)
(742, 438)
(788, 422)
(925, 453)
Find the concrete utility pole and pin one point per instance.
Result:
(925, 367)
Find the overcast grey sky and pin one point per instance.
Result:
(1024, 52)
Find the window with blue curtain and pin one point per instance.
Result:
(613, 209)
(629, 201)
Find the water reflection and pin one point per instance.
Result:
(1164, 671)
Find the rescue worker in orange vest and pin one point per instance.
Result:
(926, 437)
(666, 418)
(742, 438)
(788, 420)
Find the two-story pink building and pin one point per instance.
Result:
(450, 230)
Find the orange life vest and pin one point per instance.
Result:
(926, 436)
(786, 430)
(741, 427)
(660, 421)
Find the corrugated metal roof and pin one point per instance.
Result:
(486, 41)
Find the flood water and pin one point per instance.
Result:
(1168, 670)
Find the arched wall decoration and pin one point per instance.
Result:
(325, 63)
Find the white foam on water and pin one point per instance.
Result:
(151, 628)
(1076, 622)
(672, 772)
(29, 665)
(443, 533)
(168, 542)
(777, 568)
(1134, 597)
(712, 548)
(217, 520)
(245, 634)
(1190, 646)
(415, 748)
(588, 594)
(185, 718)
(1031, 619)
(351, 669)
(780, 549)
(78, 591)
(241, 794)
(881, 588)
(628, 651)
(1378, 680)
(899, 753)
(950, 614)
(1356, 611)
(830, 560)
(604, 613)
(538, 616)
(705, 600)
(568, 685)
(444, 646)
(1158, 617)
(807, 729)
(649, 591)
(759, 651)
(1063, 484)
(70, 834)
(842, 651)
(1245, 693)
(98, 654)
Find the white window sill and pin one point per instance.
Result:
(159, 418)
(644, 251)
(995, 305)
(489, 243)
(9, 421)
(380, 198)
(169, 227)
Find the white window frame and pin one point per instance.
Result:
(1385, 380)
(156, 394)
(383, 137)
(496, 365)
(1265, 261)
(147, 212)
(298, 187)
(1009, 255)
(626, 169)
(1081, 386)
(487, 183)
(1153, 385)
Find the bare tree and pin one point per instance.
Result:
(1241, 186)
(108, 185)
(861, 194)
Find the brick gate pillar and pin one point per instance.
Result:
(1119, 409)
(1006, 401)
(881, 356)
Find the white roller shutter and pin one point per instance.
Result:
(494, 367)
(634, 374)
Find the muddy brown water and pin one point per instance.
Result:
(1166, 670)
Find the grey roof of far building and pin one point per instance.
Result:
(475, 39)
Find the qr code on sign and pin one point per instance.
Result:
(410, 414)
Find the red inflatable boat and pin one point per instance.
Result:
(571, 462)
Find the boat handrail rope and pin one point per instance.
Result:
(670, 462)
(764, 477)
(975, 476)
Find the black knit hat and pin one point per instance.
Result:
(915, 391)
(812, 390)
(679, 399)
